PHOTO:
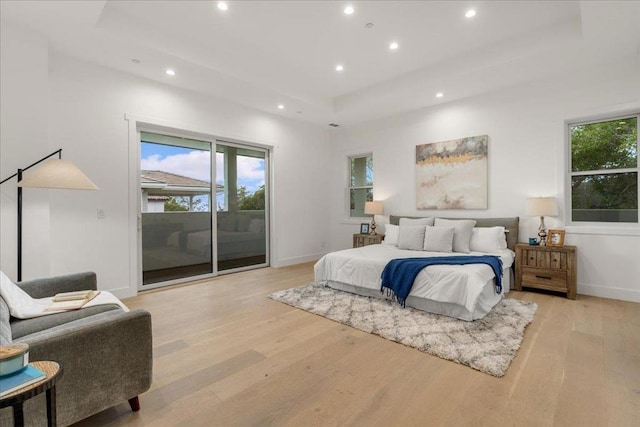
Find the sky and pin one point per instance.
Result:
(196, 164)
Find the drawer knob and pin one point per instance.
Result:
(543, 277)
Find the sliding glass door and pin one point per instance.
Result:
(242, 208)
(175, 184)
(180, 236)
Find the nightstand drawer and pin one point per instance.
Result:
(360, 240)
(545, 259)
(546, 279)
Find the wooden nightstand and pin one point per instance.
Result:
(367, 239)
(546, 267)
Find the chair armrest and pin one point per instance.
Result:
(46, 287)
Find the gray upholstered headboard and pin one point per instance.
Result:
(510, 225)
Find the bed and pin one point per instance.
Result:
(466, 292)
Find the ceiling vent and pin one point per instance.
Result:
(334, 125)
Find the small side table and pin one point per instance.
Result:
(48, 384)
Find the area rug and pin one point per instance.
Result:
(488, 345)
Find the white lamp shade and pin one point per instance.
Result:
(57, 173)
(542, 206)
(373, 208)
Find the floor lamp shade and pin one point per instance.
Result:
(58, 173)
(54, 173)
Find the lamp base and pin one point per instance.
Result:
(542, 232)
(372, 228)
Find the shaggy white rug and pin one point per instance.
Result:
(488, 345)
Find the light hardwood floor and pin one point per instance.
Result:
(225, 355)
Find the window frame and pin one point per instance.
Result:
(350, 187)
(598, 227)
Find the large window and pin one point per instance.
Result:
(604, 170)
(360, 184)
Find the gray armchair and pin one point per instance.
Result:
(106, 353)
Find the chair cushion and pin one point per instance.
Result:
(22, 327)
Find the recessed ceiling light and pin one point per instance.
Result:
(470, 13)
(349, 10)
(439, 95)
(280, 107)
(135, 61)
(223, 5)
(368, 25)
(339, 67)
(170, 72)
(393, 45)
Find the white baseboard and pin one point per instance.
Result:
(123, 293)
(631, 295)
(296, 260)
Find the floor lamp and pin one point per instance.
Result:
(56, 173)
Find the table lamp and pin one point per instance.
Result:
(373, 208)
(542, 206)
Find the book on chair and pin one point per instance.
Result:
(71, 300)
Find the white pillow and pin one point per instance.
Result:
(438, 239)
(416, 221)
(488, 239)
(381, 222)
(411, 237)
(391, 235)
(462, 233)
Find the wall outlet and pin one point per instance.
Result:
(101, 214)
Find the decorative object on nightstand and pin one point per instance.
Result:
(542, 206)
(364, 228)
(551, 268)
(556, 238)
(361, 239)
(56, 173)
(373, 208)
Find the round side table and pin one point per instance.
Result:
(53, 371)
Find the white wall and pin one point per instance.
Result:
(23, 140)
(527, 157)
(82, 109)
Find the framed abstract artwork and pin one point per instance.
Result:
(453, 174)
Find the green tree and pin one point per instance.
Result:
(251, 201)
(606, 145)
(175, 204)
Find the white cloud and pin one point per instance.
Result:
(196, 164)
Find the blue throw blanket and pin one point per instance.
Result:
(398, 275)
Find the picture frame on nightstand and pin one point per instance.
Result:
(556, 238)
(364, 228)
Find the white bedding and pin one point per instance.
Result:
(463, 291)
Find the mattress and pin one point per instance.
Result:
(466, 292)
